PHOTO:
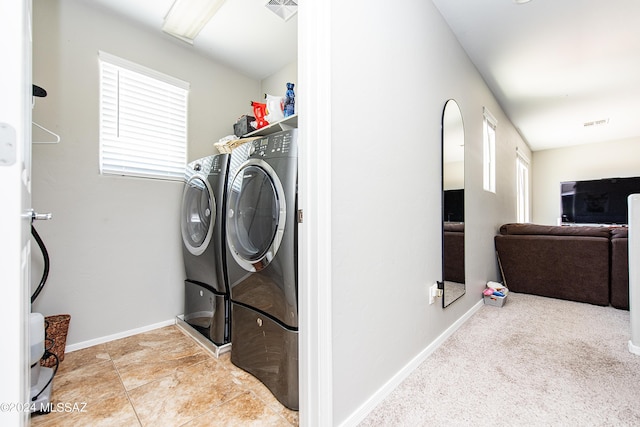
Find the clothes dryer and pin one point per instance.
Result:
(261, 251)
(207, 305)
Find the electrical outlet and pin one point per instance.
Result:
(433, 293)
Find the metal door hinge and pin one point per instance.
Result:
(300, 217)
(8, 145)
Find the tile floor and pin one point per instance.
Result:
(159, 378)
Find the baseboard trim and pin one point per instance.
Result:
(361, 413)
(123, 334)
(634, 348)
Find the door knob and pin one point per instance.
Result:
(38, 216)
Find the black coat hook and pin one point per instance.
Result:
(38, 91)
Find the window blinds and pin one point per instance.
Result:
(143, 121)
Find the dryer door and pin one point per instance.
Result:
(256, 215)
(198, 214)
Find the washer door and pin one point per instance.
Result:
(256, 215)
(198, 215)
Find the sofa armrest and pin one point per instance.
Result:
(620, 271)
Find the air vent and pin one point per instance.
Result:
(285, 9)
(596, 123)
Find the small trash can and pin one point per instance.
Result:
(56, 328)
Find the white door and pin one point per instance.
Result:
(15, 220)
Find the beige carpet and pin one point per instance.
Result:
(534, 362)
(452, 291)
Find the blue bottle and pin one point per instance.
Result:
(289, 101)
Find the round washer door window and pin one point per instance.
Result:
(255, 215)
(198, 215)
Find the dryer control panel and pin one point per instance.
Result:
(281, 144)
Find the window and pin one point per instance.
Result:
(489, 125)
(522, 187)
(143, 121)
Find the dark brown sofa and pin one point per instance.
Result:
(620, 268)
(453, 252)
(570, 263)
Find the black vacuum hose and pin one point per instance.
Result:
(45, 255)
(43, 280)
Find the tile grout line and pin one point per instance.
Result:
(248, 387)
(204, 350)
(227, 370)
(277, 408)
(126, 392)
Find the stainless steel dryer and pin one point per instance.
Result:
(261, 250)
(207, 306)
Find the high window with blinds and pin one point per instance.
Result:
(143, 121)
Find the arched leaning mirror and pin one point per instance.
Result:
(453, 203)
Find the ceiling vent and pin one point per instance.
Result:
(596, 123)
(285, 9)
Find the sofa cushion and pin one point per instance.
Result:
(554, 230)
(454, 255)
(457, 227)
(620, 233)
(620, 268)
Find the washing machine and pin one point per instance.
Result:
(207, 305)
(261, 252)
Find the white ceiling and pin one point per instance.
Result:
(555, 64)
(243, 34)
(552, 64)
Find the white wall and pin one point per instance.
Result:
(590, 161)
(114, 242)
(276, 84)
(391, 79)
(453, 178)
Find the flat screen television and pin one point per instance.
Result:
(598, 201)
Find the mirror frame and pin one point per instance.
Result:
(448, 106)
